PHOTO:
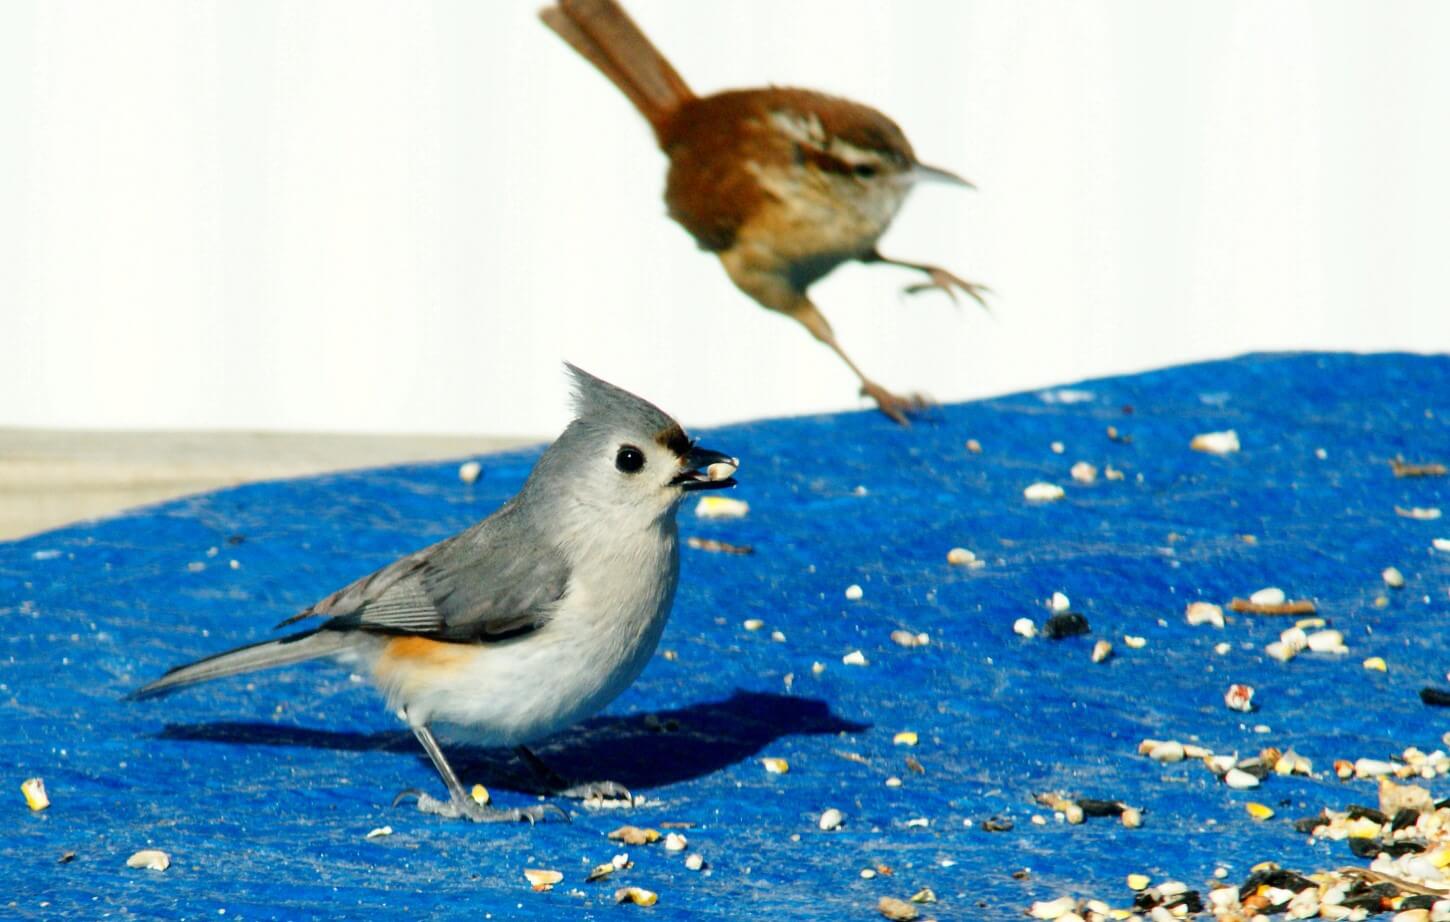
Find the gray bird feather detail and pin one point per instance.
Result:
(496, 580)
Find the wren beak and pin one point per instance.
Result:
(706, 470)
(935, 174)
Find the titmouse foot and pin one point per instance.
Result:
(587, 790)
(601, 790)
(946, 281)
(893, 406)
(469, 809)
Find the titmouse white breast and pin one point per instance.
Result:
(531, 620)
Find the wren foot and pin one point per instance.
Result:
(941, 279)
(898, 408)
(469, 809)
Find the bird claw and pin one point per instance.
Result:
(897, 408)
(479, 813)
(601, 790)
(942, 280)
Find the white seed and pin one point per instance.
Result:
(152, 859)
(830, 819)
(1131, 817)
(1052, 909)
(893, 782)
(1239, 779)
(1271, 595)
(854, 658)
(674, 842)
(817, 668)
(694, 862)
(1216, 443)
(380, 832)
(1441, 544)
(1372, 768)
(908, 639)
(721, 507)
(1204, 613)
(1424, 514)
(722, 470)
(1059, 603)
(1138, 881)
(753, 624)
(1393, 577)
(1083, 472)
(1294, 637)
(1327, 642)
(1134, 641)
(1280, 651)
(1024, 627)
(960, 557)
(1222, 649)
(1220, 765)
(1101, 651)
(854, 592)
(777, 636)
(469, 471)
(1224, 899)
(1043, 492)
(1057, 448)
(1170, 751)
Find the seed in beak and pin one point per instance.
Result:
(722, 470)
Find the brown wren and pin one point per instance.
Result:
(782, 184)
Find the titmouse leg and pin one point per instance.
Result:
(459, 804)
(939, 278)
(605, 790)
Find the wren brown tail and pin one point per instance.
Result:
(603, 33)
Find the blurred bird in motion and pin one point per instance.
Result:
(533, 619)
(782, 184)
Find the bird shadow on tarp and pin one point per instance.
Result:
(638, 751)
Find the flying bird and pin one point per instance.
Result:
(782, 184)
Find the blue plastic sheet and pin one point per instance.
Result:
(262, 788)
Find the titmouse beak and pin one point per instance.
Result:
(706, 470)
(935, 174)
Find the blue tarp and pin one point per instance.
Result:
(262, 788)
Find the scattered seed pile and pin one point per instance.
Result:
(1023, 657)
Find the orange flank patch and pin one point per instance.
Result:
(402, 655)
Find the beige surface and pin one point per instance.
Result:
(50, 478)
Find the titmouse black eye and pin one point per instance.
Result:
(865, 170)
(629, 459)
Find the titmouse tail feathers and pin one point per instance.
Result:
(294, 649)
(604, 34)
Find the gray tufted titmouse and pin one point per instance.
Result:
(531, 620)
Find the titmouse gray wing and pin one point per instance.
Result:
(495, 581)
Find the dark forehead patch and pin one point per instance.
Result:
(674, 438)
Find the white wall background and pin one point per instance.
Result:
(387, 216)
